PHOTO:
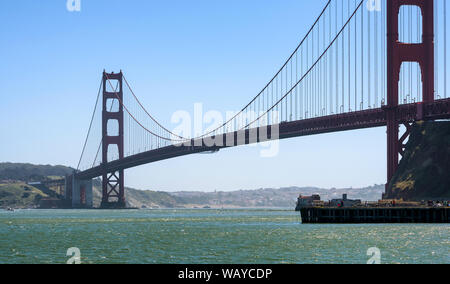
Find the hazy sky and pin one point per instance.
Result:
(175, 53)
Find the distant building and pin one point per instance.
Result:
(307, 201)
(344, 202)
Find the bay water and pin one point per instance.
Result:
(208, 236)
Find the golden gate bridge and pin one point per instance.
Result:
(362, 64)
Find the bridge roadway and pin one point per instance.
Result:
(408, 113)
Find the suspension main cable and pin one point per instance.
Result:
(256, 97)
(132, 116)
(312, 67)
(149, 115)
(90, 126)
(274, 77)
(101, 140)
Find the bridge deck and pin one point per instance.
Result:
(408, 113)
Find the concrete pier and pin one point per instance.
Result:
(79, 192)
(331, 215)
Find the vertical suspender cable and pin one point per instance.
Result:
(410, 40)
(296, 89)
(403, 68)
(445, 48)
(436, 39)
(369, 57)
(302, 85)
(331, 68)
(306, 103)
(291, 106)
(419, 97)
(376, 60)
(362, 59)
(312, 97)
(343, 63)
(349, 58)
(383, 50)
(337, 63)
(356, 60)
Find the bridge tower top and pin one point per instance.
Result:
(400, 52)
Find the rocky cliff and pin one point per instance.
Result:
(424, 171)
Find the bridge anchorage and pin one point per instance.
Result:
(344, 75)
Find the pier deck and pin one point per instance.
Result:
(331, 215)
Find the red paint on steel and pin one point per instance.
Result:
(398, 53)
(113, 190)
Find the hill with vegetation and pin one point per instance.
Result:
(140, 198)
(423, 173)
(31, 173)
(273, 197)
(20, 195)
(15, 192)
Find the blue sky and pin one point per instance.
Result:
(174, 53)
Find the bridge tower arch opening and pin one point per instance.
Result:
(113, 190)
(397, 54)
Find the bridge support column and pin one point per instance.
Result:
(78, 193)
(68, 190)
(113, 190)
(398, 53)
(82, 196)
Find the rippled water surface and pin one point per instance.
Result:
(209, 236)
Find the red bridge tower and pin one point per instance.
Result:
(113, 183)
(398, 53)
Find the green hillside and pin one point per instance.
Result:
(140, 198)
(20, 195)
(30, 173)
(14, 192)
